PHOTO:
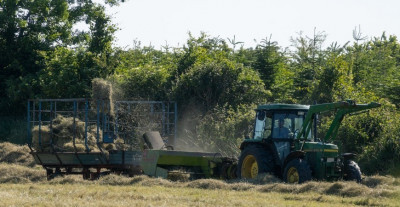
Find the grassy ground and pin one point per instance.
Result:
(24, 184)
(27, 186)
(44, 194)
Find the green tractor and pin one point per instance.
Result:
(284, 144)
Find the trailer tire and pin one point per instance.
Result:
(253, 161)
(297, 171)
(352, 172)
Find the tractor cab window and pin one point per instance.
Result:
(287, 124)
(263, 125)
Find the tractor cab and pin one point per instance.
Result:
(279, 121)
(280, 124)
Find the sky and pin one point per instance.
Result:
(168, 22)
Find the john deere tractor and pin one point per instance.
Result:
(285, 144)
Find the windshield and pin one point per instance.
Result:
(286, 125)
(279, 125)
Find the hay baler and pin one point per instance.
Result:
(79, 136)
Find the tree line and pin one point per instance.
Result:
(216, 82)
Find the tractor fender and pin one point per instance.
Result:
(293, 155)
(348, 156)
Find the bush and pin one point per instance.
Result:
(374, 136)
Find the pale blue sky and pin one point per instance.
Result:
(161, 21)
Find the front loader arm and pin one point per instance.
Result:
(342, 108)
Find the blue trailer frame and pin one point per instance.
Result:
(94, 113)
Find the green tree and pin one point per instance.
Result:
(307, 59)
(375, 65)
(218, 83)
(335, 80)
(29, 28)
(272, 65)
(68, 73)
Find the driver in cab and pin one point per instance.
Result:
(281, 131)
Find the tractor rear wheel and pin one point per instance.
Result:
(297, 171)
(253, 161)
(352, 172)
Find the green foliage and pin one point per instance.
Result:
(373, 136)
(150, 82)
(13, 129)
(30, 28)
(375, 65)
(382, 152)
(307, 60)
(68, 73)
(224, 128)
(199, 50)
(334, 82)
(273, 67)
(218, 83)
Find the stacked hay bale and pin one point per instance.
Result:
(102, 90)
(61, 134)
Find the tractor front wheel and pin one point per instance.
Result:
(297, 171)
(253, 161)
(352, 172)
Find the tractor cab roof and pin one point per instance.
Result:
(283, 107)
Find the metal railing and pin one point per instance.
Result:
(109, 120)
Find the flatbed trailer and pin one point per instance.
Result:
(90, 164)
(157, 161)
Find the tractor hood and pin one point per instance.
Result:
(319, 147)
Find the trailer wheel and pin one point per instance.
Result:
(253, 161)
(352, 172)
(297, 171)
(49, 174)
(86, 173)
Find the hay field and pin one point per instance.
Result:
(22, 184)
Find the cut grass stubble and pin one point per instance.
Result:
(17, 169)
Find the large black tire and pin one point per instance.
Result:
(297, 171)
(352, 171)
(253, 161)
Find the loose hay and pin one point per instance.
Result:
(376, 180)
(102, 90)
(143, 180)
(69, 179)
(12, 173)
(178, 176)
(208, 184)
(62, 133)
(16, 154)
(114, 179)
